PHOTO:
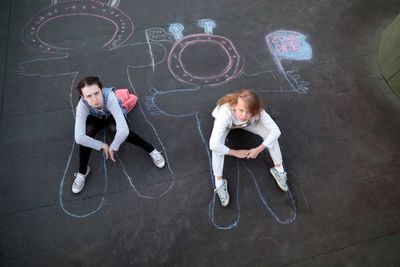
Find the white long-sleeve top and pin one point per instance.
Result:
(82, 112)
(225, 119)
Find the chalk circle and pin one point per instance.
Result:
(71, 39)
(123, 25)
(189, 45)
(204, 59)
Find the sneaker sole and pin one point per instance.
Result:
(77, 191)
(160, 166)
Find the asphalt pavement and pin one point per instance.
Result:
(313, 63)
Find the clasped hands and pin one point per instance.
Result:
(108, 152)
(248, 154)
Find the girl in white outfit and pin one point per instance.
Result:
(243, 109)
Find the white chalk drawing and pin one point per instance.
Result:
(282, 45)
(232, 70)
(55, 66)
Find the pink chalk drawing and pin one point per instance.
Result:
(105, 53)
(183, 73)
(157, 100)
(122, 23)
(183, 59)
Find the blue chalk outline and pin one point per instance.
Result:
(156, 111)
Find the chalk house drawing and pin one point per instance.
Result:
(116, 46)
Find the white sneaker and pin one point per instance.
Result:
(280, 178)
(158, 159)
(223, 194)
(79, 182)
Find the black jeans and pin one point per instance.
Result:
(93, 126)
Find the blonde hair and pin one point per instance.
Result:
(250, 99)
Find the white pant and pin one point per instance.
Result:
(258, 129)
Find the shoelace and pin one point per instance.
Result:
(282, 176)
(157, 157)
(221, 192)
(79, 179)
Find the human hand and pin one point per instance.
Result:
(111, 153)
(105, 148)
(241, 154)
(252, 153)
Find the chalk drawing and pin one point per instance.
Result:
(122, 23)
(61, 194)
(182, 72)
(208, 25)
(289, 45)
(112, 3)
(156, 111)
(153, 36)
(176, 29)
(157, 35)
(283, 45)
(55, 66)
(233, 70)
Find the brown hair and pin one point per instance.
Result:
(251, 100)
(89, 80)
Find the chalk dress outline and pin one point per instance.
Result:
(123, 31)
(233, 70)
